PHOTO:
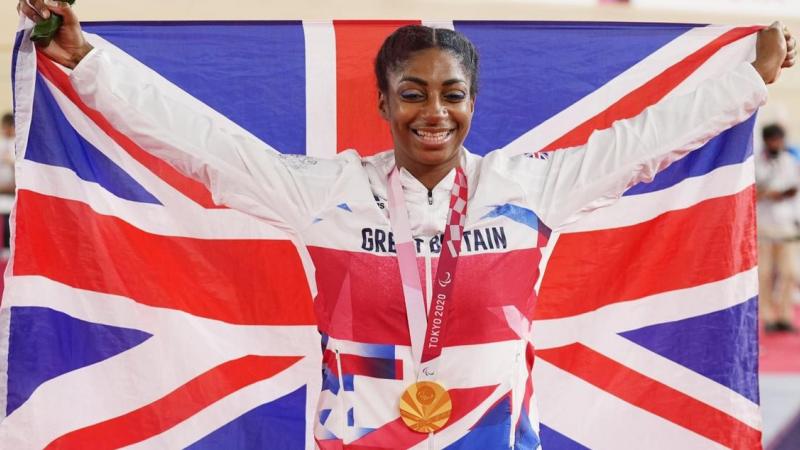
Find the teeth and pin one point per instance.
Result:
(431, 136)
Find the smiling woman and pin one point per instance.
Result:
(420, 344)
(427, 80)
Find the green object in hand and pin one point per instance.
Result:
(44, 31)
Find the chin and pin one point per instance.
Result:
(435, 157)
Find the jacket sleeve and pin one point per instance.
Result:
(564, 184)
(241, 171)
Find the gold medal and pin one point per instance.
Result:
(425, 406)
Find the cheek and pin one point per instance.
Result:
(401, 115)
(464, 118)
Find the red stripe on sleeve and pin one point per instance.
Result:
(189, 187)
(707, 242)
(175, 407)
(650, 93)
(360, 126)
(254, 282)
(653, 396)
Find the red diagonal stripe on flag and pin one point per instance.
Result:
(192, 189)
(177, 406)
(592, 269)
(359, 124)
(653, 396)
(254, 282)
(650, 93)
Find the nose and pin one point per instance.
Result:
(434, 110)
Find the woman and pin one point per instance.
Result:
(406, 334)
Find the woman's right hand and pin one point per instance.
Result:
(68, 46)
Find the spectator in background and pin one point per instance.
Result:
(777, 182)
(7, 154)
(7, 183)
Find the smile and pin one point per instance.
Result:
(433, 137)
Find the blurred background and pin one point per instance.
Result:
(780, 348)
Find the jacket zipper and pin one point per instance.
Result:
(515, 393)
(428, 282)
(428, 269)
(341, 394)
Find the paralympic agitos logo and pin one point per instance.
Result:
(447, 279)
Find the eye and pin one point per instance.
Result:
(455, 96)
(412, 95)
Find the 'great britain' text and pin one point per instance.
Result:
(381, 241)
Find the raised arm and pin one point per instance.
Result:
(240, 171)
(573, 181)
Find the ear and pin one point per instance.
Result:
(383, 105)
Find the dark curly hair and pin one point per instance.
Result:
(772, 131)
(400, 45)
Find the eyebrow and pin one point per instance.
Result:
(425, 83)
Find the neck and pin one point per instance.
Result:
(428, 175)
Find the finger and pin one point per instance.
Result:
(64, 10)
(791, 59)
(40, 8)
(29, 12)
(791, 44)
(27, 9)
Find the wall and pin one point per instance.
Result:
(785, 96)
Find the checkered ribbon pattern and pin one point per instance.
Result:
(458, 213)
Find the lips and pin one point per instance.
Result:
(433, 137)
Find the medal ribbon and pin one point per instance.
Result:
(426, 327)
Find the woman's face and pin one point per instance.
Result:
(429, 108)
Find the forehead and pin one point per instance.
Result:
(431, 65)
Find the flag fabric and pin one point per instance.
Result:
(138, 312)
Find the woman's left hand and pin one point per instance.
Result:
(776, 49)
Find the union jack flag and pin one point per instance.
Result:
(139, 313)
